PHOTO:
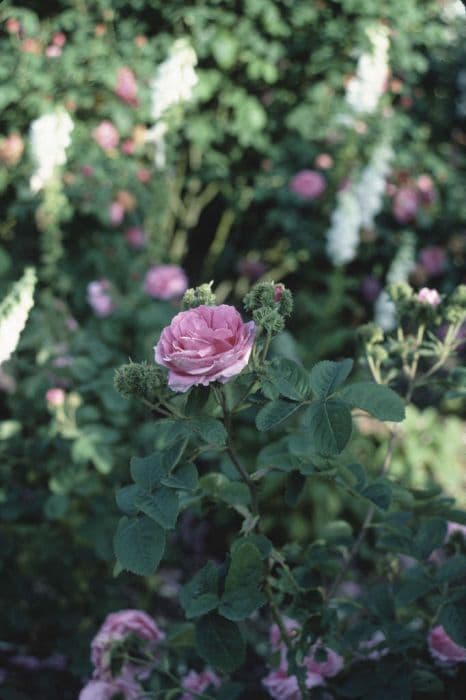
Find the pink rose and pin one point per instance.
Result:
(291, 627)
(128, 147)
(55, 397)
(308, 184)
(87, 170)
(426, 189)
(106, 690)
(99, 298)
(59, 39)
(405, 204)
(116, 213)
(198, 682)
(53, 51)
(116, 627)
(324, 161)
(135, 237)
(429, 296)
(433, 260)
(106, 135)
(13, 26)
(443, 648)
(281, 686)
(126, 88)
(328, 668)
(203, 345)
(165, 282)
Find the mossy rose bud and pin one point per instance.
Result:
(199, 296)
(204, 345)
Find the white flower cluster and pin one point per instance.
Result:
(400, 269)
(175, 79)
(14, 312)
(357, 206)
(364, 90)
(50, 136)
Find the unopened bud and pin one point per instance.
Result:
(199, 296)
(139, 379)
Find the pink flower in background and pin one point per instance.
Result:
(433, 260)
(324, 161)
(291, 627)
(373, 648)
(115, 628)
(59, 39)
(11, 149)
(443, 648)
(107, 690)
(281, 686)
(165, 282)
(405, 204)
(55, 397)
(203, 345)
(53, 51)
(328, 668)
(308, 184)
(251, 268)
(116, 213)
(455, 529)
(143, 175)
(198, 682)
(13, 26)
(87, 170)
(99, 298)
(126, 87)
(136, 237)
(429, 296)
(426, 189)
(128, 147)
(106, 135)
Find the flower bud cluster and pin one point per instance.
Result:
(139, 380)
(456, 308)
(269, 304)
(199, 296)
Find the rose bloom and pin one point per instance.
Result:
(433, 260)
(443, 648)
(308, 184)
(291, 627)
(165, 282)
(116, 213)
(405, 204)
(11, 149)
(128, 147)
(328, 668)
(198, 682)
(13, 25)
(59, 39)
(429, 296)
(115, 628)
(204, 345)
(126, 87)
(324, 161)
(107, 690)
(426, 189)
(87, 170)
(135, 237)
(55, 397)
(281, 686)
(99, 298)
(53, 51)
(106, 135)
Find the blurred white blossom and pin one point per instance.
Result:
(399, 271)
(14, 312)
(371, 186)
(156, 135)
(343, 234)
(364, 90)
(50, 136)
(175, 79)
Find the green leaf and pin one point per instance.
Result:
(262, 543)
(210, 430)
(197, 399)
(126, 498)
(453, 618)
(430, 535)
(330, 425)
(139, 544)
(326, 376)
(377, 399)
(184, 478)
(242, 593)
(274, 413)
(277, 455)
(162, 506)
(380, 493)
(289, 378)
(219, 487)
(452, 569)
(294, 488)
(220, 643)
(148, 472)
(200, 595)
(424, 681)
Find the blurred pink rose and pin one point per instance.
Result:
(198, 682)
(143, 175)
(429, 296)
(126, 87)
(30, 45)
(203, 345)
(455, 529)
(308, 184)
(405, 204)
(426, 189)
(116, 627)
(116, 213)
(11, 149)
(99, 298)
(281, 686)
(107, 690)
(328, 668)
(53, 51)
(55, 397)
(324, 161)
(291, 627)
(59, 39)
(165, 282)
(13, 26)
(136, 237)
(87, 170)
(106, 135)
(128, 147)
(443, 648)
(433, 260)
